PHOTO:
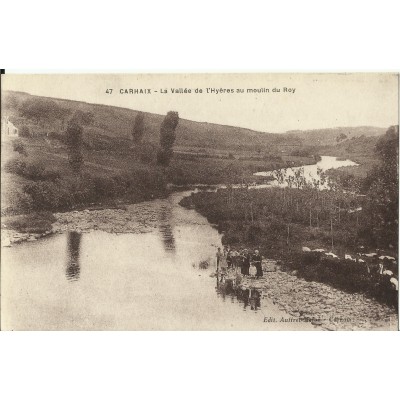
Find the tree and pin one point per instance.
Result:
(138, 128)
(167, 138)
(383, 199)
(74, 135)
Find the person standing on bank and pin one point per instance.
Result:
(234, 256)
(257, 263)
(220, 254)
(229, 259)
(246, 263)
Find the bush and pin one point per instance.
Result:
(303, 152)
(24, 131)
(81, 195)
(346, 275)
(310, 258)
(15, 166)
(19, 147)
(122, 183)
(17, 201)
(48, 195)
(103, 187)
(34, 172)
(38, 222)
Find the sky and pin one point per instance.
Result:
(315, 101)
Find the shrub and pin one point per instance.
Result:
(310, 258)
(122, 183)
(81, 195)
(48, 195)
(17, 201)
(19, 147)
(38, 222)
(103, 187)
(34, 172)
(147, 180)
(24, 131)
(15, 166)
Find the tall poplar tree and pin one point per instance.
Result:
(167, 138)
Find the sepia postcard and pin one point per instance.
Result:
(199, 201)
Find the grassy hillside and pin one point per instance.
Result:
(45, 115)
(334, 136)
(117, 122)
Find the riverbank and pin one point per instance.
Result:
(26, 227)
(320, 304)
(141, 217)
(326, 307)
(117, 220)
(287, 224)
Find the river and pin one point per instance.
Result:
(310, 171)
(149, 280)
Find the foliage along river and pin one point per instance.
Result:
(132, 281)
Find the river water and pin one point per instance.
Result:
(132, 281)
(310, 171)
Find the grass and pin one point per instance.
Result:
(117, 122)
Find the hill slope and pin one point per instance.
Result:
(44, 115)
(117, 122)
(333, 136)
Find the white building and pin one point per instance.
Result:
(8, 130)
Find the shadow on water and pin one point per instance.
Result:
(73, 268)
(249, 297)
(166, 231)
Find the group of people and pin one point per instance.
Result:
(243, 260)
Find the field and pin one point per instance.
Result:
(46, 159)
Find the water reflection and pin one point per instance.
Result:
(73, 247)
(249, 296)
(165, 229)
